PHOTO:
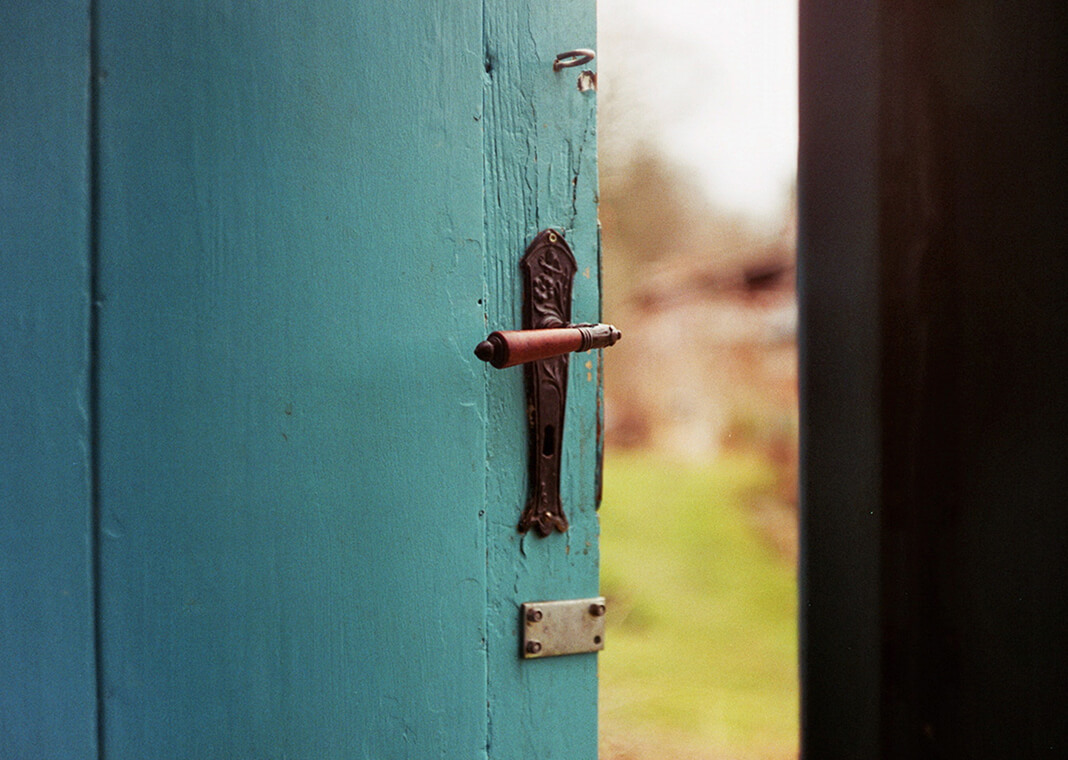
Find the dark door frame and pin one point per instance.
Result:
(933, 281)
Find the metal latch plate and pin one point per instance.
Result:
(571, 626)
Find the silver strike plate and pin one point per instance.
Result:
(571, 626)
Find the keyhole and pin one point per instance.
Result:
(548, 446)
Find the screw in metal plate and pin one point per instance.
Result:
(533, 647)
(596, 610)
(533, 616)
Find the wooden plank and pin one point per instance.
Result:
(47, 682)
(838, 277)
(292, 419)
(934, 352)
(975, 345)
(541, 172)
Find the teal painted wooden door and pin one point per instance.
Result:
(282, 494)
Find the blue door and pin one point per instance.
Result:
(261, 498)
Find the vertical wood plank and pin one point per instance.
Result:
(540, 172)
(292, 420)
(974, 350)
(838, 281)
(47, 682)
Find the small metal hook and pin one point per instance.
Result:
(573, 58)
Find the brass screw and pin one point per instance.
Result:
(533, 647)
(552, 237)
(533, 616)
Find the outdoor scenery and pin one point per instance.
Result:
(699, 519)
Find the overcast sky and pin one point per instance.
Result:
(714, 82)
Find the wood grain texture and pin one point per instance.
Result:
(292, 421)
(540, 172)
(307, 484)
(47, 682)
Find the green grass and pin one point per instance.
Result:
(701, 642)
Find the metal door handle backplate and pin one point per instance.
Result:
(542, 347)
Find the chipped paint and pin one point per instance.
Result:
(540, 168)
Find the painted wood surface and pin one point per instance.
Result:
(934, 421)
(309, 485)
(292, 425)
(540, 172)
(47, 683)
(294, 225)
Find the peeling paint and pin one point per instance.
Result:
(539, 168)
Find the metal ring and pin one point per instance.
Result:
(573, 58)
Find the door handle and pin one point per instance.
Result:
(511, 347)
(542, 346)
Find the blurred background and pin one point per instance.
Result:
(697, 148)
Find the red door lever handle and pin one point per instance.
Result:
(511, 347)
